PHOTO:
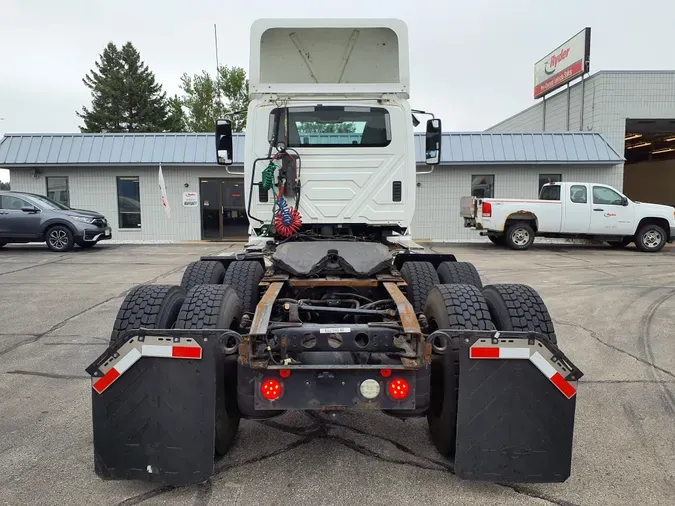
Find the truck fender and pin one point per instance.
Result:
(522, 216)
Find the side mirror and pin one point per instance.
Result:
(433, 142)
(624, 201)
(224, 142)
(30, 209)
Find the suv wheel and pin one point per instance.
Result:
(60, 238)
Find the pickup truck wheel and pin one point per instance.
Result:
(202, 273)
(650, 238)
(148, 306)
(450, 307)
(217, 307)
(421, 278)
(519, 236)
(464, 273)
(625, 241)
(519, 308)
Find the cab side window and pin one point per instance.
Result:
(12, 203)
(606, 196)
(550, 193)
(578, 194)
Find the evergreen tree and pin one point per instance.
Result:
(125, 95)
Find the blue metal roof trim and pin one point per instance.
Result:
(461, 148)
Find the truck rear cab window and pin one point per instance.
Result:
(332, 126)
(578, 194)
(550, 193)
(606, 196)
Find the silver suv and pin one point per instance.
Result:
(27, 217)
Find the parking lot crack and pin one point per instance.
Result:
(50, 375)
(595, 336)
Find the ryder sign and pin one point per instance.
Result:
(568, 61)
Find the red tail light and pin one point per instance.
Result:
(271, 389)
(398, 389)
(487, 209)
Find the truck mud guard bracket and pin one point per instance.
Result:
(154, 417)
(516, 407)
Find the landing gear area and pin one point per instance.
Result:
(344, 326)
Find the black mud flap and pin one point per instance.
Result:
(155, 398)
(516, 408)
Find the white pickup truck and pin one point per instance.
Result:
(571, 210)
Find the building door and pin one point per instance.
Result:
(223, 209)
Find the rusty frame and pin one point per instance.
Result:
(405, 310)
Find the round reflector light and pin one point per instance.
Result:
(398, 389)
(370, 388)
(284, 373)
(271, 389)
(385, 373)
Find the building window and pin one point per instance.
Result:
(548, 178)
(57, 189)
(482, 186)
(129, 202)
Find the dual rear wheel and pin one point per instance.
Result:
(458, 300)
(209, 298)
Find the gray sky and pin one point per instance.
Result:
(471, 62)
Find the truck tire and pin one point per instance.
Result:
(244, 277)
(519, 235)
(519, 308)
(217, 307)
(420, 277)
(625, 241)
(450, 307)
(202, 273)
(463, 273)
(148, 306)
(650, 238)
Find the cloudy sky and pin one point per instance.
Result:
(471, 62)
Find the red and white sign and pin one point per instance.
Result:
(566, 62)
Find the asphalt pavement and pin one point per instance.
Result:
(614, 312)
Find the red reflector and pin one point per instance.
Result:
(398, 389)
(271, 389)
(487, 209)
(285, 373)
(186, 352)
(567, 389)
(106, 380)
(385, 373)
(484, 353)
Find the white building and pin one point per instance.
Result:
(117, 174)
(634, 111)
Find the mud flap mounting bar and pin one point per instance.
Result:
(516, 408)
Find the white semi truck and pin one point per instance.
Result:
(329, 308)
(571, 210)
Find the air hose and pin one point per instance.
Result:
(286, 220)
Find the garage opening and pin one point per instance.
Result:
(649, 171)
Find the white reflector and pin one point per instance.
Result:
(370, 389)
